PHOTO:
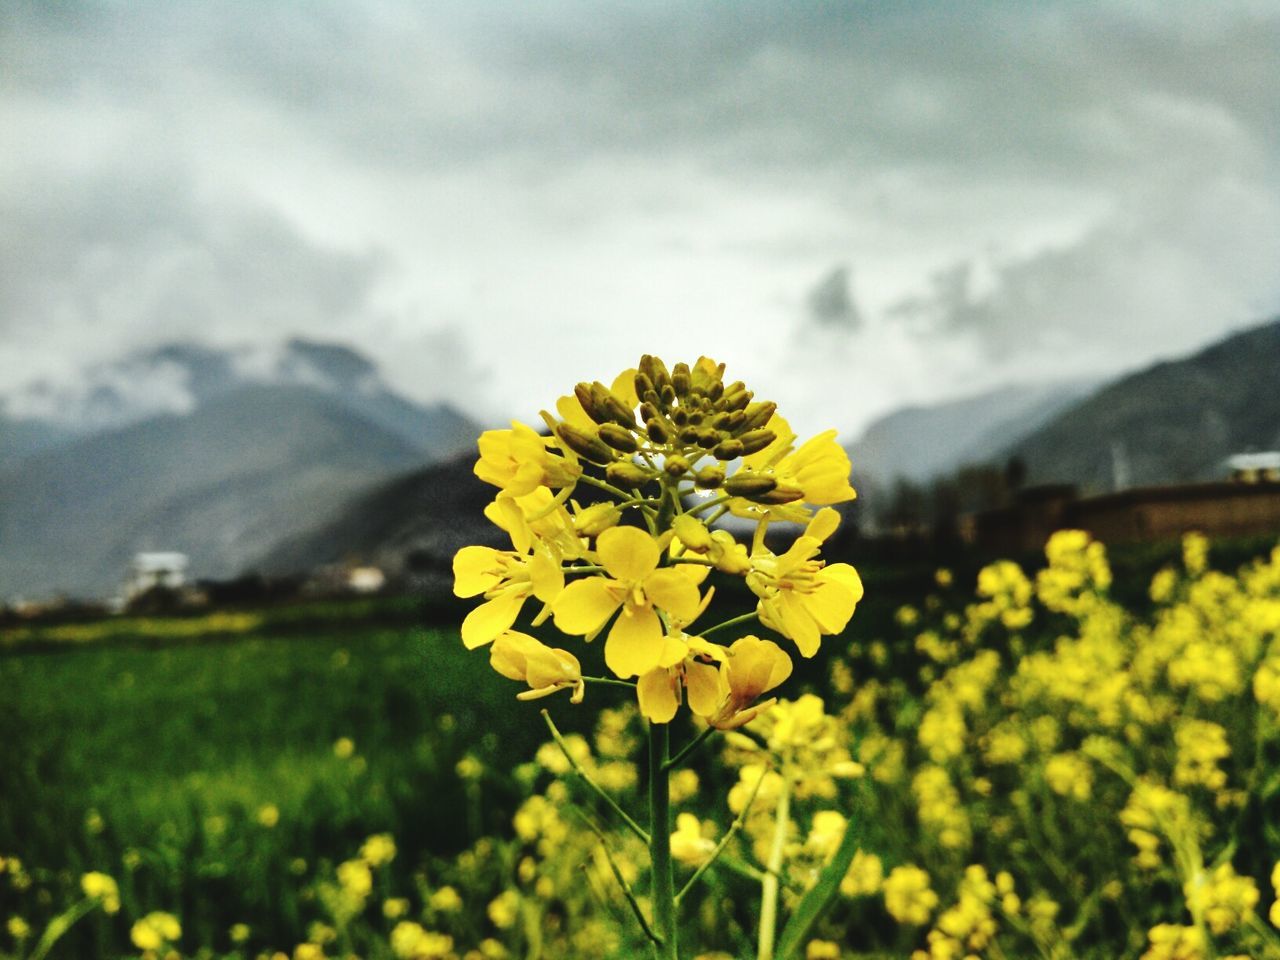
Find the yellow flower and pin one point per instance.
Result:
(907, 895)
(239, 932)
(636, 643)
(101, 887)
(155, 930)
(18, 928)
(799, 596)
(504, 908)
(395, 907)
(519, 656)
(445, 900)
(344, 748)
(688, 845)
(822, 950)
(817, 474)
(506, 579)
(356, 879)
(268, 815)
(410, 941)
(864, 877)
(751, 667)
(519, 461)
(379, 849)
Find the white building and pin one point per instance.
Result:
(168, 569)
(1255, 467)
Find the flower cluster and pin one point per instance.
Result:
(665, 454)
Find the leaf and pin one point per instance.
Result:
(814, 903)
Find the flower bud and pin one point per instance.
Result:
(681, 380)
(728, 450)
(734, 399)
(758, 414)
(749, 485)
(657, 432)
(692, 533)
(628, 475)
(680, 416)
(782, 493)
(708, 437)
(653, 368)
(610, 407)
(709, 477)
(689, 435)
(596, 519)
(585, 444)
(648, 410)
(676, 465)
(620, 438)
(753, 441)
(583, 392)
(643, 384)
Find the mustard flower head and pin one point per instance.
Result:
(663, 453)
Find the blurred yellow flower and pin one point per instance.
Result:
(155, 930)
(103, 888)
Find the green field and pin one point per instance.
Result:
(122, 753)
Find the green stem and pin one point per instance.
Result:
(609, 681)
(769, 886)
(663, 889)
(586, 778)
(60, 924)
(622, 881)
(688, 748)
(708, 504)
(732, 622)
(724, 841)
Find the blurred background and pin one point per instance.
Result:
(266, 270)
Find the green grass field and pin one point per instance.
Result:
(119, 754)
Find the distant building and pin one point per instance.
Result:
(366, 579)
(1140, 514)
(149, 570)
(1255, 467)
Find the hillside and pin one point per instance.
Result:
(247, 469)
(921, 443)
(1173, 423)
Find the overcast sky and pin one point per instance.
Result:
(855, 205)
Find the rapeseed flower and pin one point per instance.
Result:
(519, 656)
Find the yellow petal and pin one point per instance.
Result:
(628, 553)
(824, 524)
(793, 621)
(657, 695)
(674, 650)
(490, 618)
(635, 643)
(702, 685)
(475, 571)
(570, 410)
(509, 654)
(546, 576)
(672, 590)
(584, 606)
(832, 603)
(624, 388)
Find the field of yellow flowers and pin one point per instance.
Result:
(1031, 769)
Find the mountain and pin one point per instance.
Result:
(414, 522)
(219, 455)
(921, 443)
(1172, 423)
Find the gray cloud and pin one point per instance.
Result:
(1021, 185)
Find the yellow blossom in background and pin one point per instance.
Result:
(101, 887)
(864, 877)
(445, 900)
(504, 909)
(356, 878)
(411, 941)
(822, 950)
(155, 930)
(18, 928)
(1222, 897)
(689, 845)
(268, 815)
(239, 932)
(1069, 775)
(344, 748)
(908, 896)
(378, 850)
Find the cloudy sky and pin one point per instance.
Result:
(855, 205)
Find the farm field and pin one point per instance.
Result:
(1034, 769)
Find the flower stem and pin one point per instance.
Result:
(599, 790)
(663, 891)
(769, 886)
(733, 622)
(688, 748)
